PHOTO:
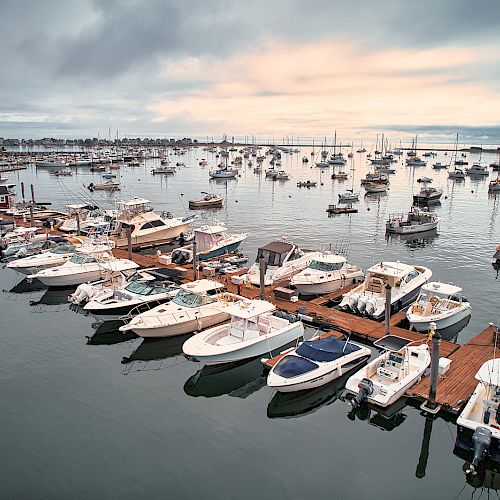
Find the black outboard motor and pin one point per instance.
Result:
(481, 440)
(497, 253)
(365, 389)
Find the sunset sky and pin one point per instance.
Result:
(268, 68)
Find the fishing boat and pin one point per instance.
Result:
(456, 174)
(53, 257)
(414, 221)
(146, 226)
(326, 273)
(208, 201)
(105, 186)
(477, 170)
(427, 195)
(252, 331)
(387, 378)
(89, 263)
(478, 425)
(369, 298)
(211, 241)
(316, 362)
(198, 305)
(281, 260)
(375, 177)
(439, 303)
(142, 291)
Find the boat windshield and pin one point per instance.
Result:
(63, 249)
(189, 299)
(81, 259)
(325, 266)
(139, 288)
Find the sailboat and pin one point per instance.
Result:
(456, 173)
(349, 195)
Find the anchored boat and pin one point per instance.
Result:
(414, 221)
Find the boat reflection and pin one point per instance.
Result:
(157, 350)
(27, 285)
(385, 419)
(53, 297)
(413, 241)
(234, 379)
(297, 404)
(107, 333)
(486, 473)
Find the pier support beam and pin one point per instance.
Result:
(262, 274)
(129, 243)
(388, 309)
(430, 405)
(195, 260)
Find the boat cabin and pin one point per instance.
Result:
(6, 196)
(438, 297)
(394, 273)
(277, 253)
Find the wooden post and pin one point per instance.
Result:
(195, 259)
(262, 275)
(388, 309)
(129, 243)
(436, 346)
(78, 233)
(424, 449)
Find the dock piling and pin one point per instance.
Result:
(388, 289)
(430, 405)
(129, 243)
(262, 274)
(195, 252)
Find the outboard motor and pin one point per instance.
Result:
(365, 389)
(21, 253)
(361, 305)
(481, 440)
(370, 307)
(352, 302)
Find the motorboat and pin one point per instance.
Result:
(326, 273)
(456, 174)
(164, 169)
(414, 221)
(387, 378)
(494, 185)
(425, 180)
(282, 260)
(477, 170)
(146, 226)
(197, 306)
(478, 425)
(439, 303)
(22, 239)
(438, 165)
(348, 196)
(211, 241)
(427, 195)
(51, 162)
(83, 216)
(375, 187)
(89, 263)
(208, 201)
(316, 362)
(279, 175)
(252, 331)
(375, 177)
(223, 173)
(369, 297)
(53, 257)
(414, 161)
(142, 291)
(105, 186)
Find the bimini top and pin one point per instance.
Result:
(328, 349)
(246, 309)
(392, 343)
(396, 269)
(442, 288)
(210, 229)
(278, 247)
(201, 286)
(489, 373)
(331, 258)
(134, 202)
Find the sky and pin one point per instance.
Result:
(274, 68)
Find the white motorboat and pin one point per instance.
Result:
(142, 291)
(427, 195)
(369, 297)
(282, 260)
(145, 225)
(439, 303)
(316, 362)
(348, 196)
(478, 425)
(51, 162)
(89, 263)
(211, 241)
(198, 305)
(326, 273)
(253, 331)
(22, 239)
(457, 174)
(387, 378)
(414, 221)
(477, 170)
(208, 201)
(223, 173)
(51, 258)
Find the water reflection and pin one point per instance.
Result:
(112, 337)
(234, 379)
(385, 419)
(53, 297)
(27, 285)
(414, 241)
(157, 350)
(296, 404)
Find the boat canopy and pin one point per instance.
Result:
(489, 373)
(392, 343)
(445, 289)
(246, 309)
(396, 269)
(201, 286)
(328, 349)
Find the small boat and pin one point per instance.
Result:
(223, 173)
(495, 167)
(279, 175)
(427, 195)
(456, 174)
(438, 165)
(414, 221)
(478, 425)
(316, 362)
(426, 180)
(494, 185)
(348, 196)
(305, 159)
(461, 163)
(326, 273)
(369, 297)
(208, 201)
(307, 184)
(339, 176)
(106, 186)
(282, 260)
(252, 331)
(198, 305)
(322, 164)
(341, 209)
(439, 303)
(62, 173)
(164, 170)
(108, 175)
(387, 378)
(414, 161)
(375, 187)
(477, 170)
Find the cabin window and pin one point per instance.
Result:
(138, 288)
(411, 275)
(325, 266)
(154, 223)
(2, 199)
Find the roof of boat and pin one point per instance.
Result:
(441, 288)
(22, 230)
(489, 373)
(330, 258)
(246, 309)
(201, 286)
(210, 229)
(134, 202)
(94, 248)
(278, 247)
(76, 206)
(392, 343)
(396, 269)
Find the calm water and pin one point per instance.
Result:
(90, 415)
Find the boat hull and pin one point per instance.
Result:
(411, 229)
(423, 324)
(327, 287)
(169, 233)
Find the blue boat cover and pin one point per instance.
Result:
(328, 349)
(291, 366)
